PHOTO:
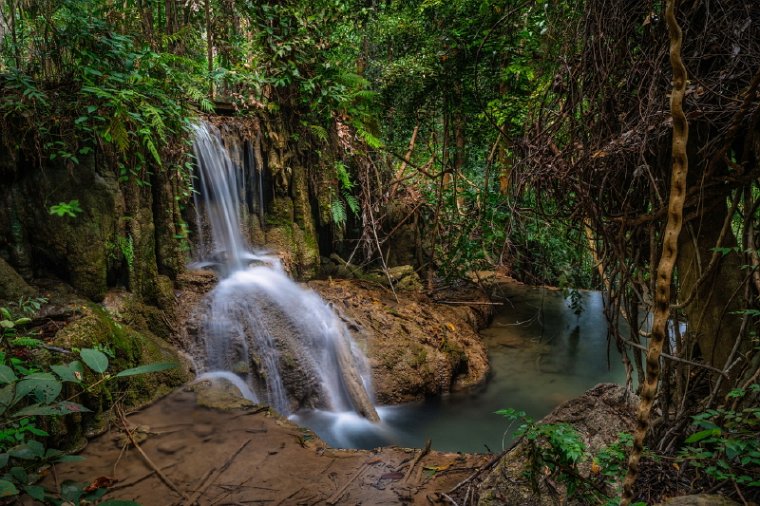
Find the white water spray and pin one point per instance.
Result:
(282, 340)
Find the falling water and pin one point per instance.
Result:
(282, 340)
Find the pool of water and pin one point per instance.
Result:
(541, 354)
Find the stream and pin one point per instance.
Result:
(541, 355)
(288, 348)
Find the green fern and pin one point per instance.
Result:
(370, 139)
(338, 212)
(156, 120)
(343, 176)
(117, 133)
(319, 132)
(27, 342)
(353, 203)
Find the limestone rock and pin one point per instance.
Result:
(416, 348)
(219, 394)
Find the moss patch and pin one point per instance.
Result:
(96, 328)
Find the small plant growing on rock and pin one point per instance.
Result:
(726, 447)
(554, 450)
(556, 454)
(29, 393)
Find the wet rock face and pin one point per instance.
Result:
(112, 241)
(416, 348)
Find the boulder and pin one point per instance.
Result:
(12, 285)
(599, 416)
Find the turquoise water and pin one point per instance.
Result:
(541, 355)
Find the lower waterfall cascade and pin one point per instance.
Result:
(282, 341)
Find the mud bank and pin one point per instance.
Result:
(249, 455)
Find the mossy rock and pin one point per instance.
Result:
(96, 328)
(12, 285)
(296, 248)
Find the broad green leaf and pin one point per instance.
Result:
(72, 491)
(4, 459)
(60, 408)
(52, 452)
(7, 394)
(69, 372)
(7, 324)
(36, 410)
(147, 368)
(67, 407)
(70, 458)
(95, 360)
(703, 434)
(23, 321)
(7, 489)
(31, 450)
(43, 385)
(35, 492)
(19, 474)
(7, 375)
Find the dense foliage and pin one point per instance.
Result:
(81, 77)
(528, 136)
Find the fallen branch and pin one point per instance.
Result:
(486, 467)
(417, 459)
(290, 496)
(214, 476)
(137, 480)
(335, 498)
(147, 459)
(448, 498)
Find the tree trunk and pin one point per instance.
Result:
(711, 316)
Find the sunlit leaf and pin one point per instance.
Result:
(95, 360)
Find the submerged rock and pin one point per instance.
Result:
(219, 393)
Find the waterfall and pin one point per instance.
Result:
(281, 339)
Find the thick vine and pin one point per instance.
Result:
(669, 249)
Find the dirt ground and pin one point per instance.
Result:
(251, 456)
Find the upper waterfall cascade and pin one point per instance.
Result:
(281, 339)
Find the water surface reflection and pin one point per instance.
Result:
(541, 354)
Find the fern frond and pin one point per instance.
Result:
(353, 203)
(338, 212)
(319, 132)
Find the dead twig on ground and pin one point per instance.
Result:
(335, 498)
(144, 455)
(137, 480)
(416, 460)
(214, 476)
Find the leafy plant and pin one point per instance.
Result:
(29, 394)
(338, 205)
(16, 318)
(70, 209)
(725, 448)
(556, 450)
(26, 396)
